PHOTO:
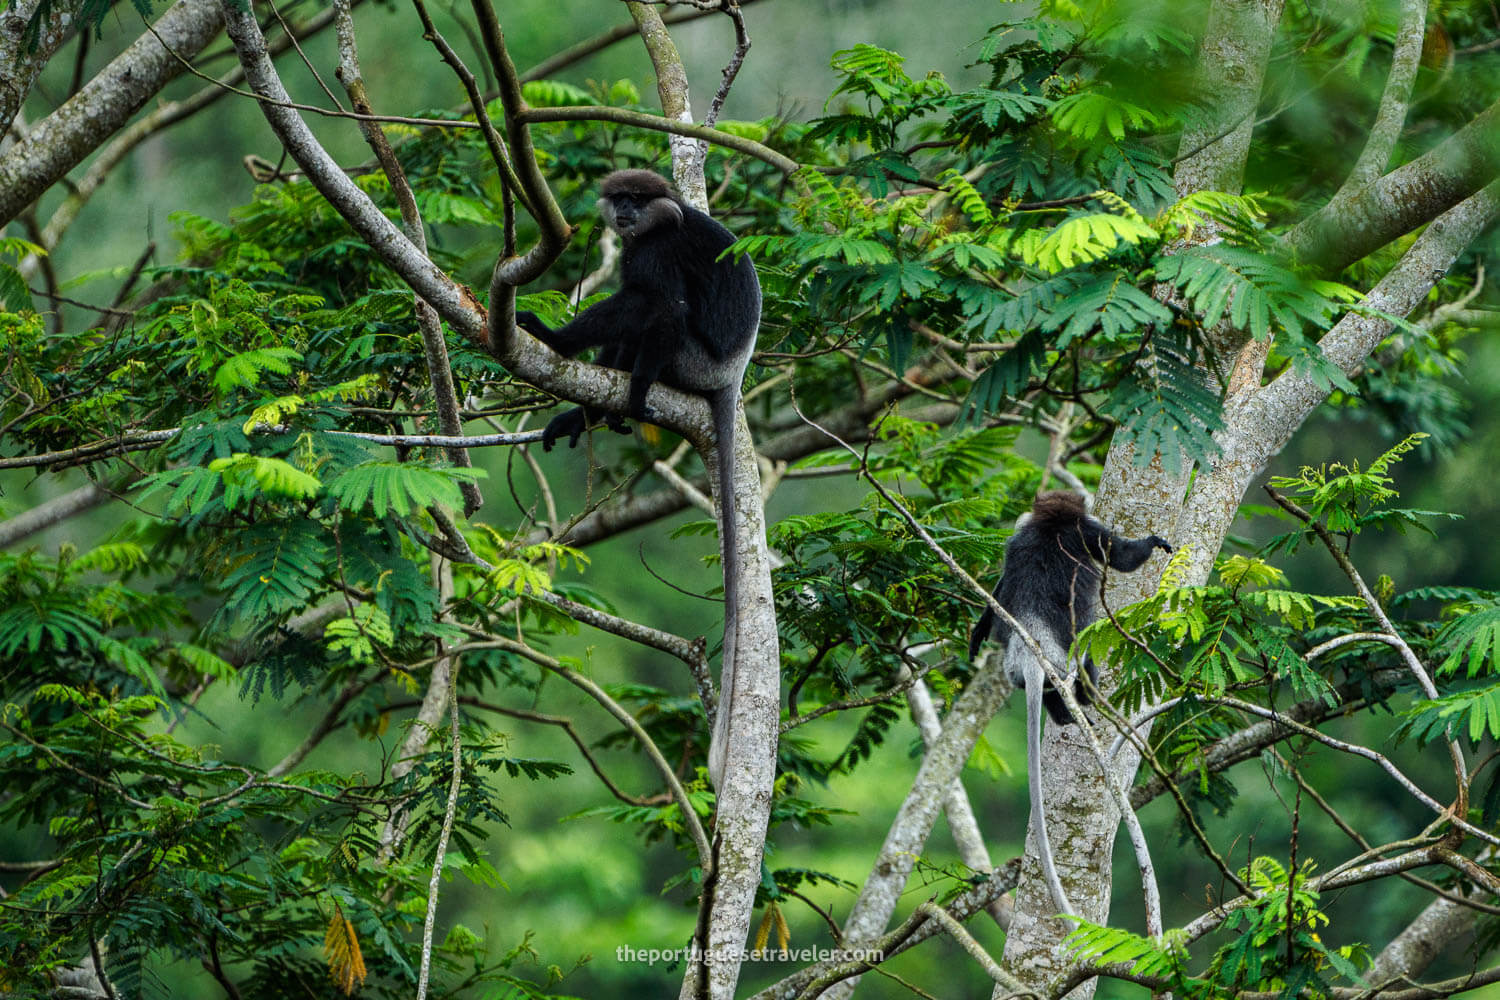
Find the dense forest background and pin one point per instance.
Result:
(568, 875)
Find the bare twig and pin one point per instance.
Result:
(124, 444)
(434, 346)
(605, 39)
(657, 123)
(732, 69)
(679, 794)
(449, 811)
(974, 948)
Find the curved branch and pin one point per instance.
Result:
(453, 301)
(553, 227)
(1402, 200)
(1394, 100)
(63, 139)
(434, 346)
(684, 804)
(640, 119)
(159, 118)
(672, 89)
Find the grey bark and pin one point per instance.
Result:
(1260, 423)
(1405, 60)
(1402, 200)
(688, 155)
(744, 799)
(1137, 499)
(1231, 65)
(1441, 924)
(45, 515)
(941, 765)
(59, 142)
(22, 59)
(956, 808)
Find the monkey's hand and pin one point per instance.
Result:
(1160, 543)
(616, 423)
(531, 323)
(571, 425)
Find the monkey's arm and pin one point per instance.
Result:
(617, 318)
(1121, 553)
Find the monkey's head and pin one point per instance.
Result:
(1060, 506)
(634, 202)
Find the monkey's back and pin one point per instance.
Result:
(721, 297)
(1048, 572)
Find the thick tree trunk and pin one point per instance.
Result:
(1136, 500)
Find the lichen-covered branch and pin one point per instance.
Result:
(676, 104)
(1404, 199)
(640, 119)
(62, 140)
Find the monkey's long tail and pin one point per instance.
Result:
(725, 406)
(1034, 689)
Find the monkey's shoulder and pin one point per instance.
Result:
(694, 250)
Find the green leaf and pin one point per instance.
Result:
(1082, 239)
(244, 370)
(401, 487)
(271, 476)
(1474, 712)
(1084, 114)
(1167, 409)
(1472, 641)
(1005, 378)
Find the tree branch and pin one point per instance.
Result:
(434, 346)
(453, 302)
(62, 140)
(640, 119)
(1402, 200)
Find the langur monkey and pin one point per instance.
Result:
(1050, 585)
(686, 315)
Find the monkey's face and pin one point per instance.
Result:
(633, 214)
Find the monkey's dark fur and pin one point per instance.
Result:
(1051, 585)
(682, 316)
(685, 315)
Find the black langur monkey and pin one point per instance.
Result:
(1050, 585)
(687, 316)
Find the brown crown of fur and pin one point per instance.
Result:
(1059, 507)
(644, 183)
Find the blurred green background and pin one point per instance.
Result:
(586, 886)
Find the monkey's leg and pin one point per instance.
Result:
(569, 424)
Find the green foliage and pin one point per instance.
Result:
(960, 281)
(15, 297)
(399, 487)
(1252, 291)
(1277, 945)
(1165, 407)
(1347, 499)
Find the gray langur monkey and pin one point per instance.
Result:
(686, 315)
(1050, 585)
